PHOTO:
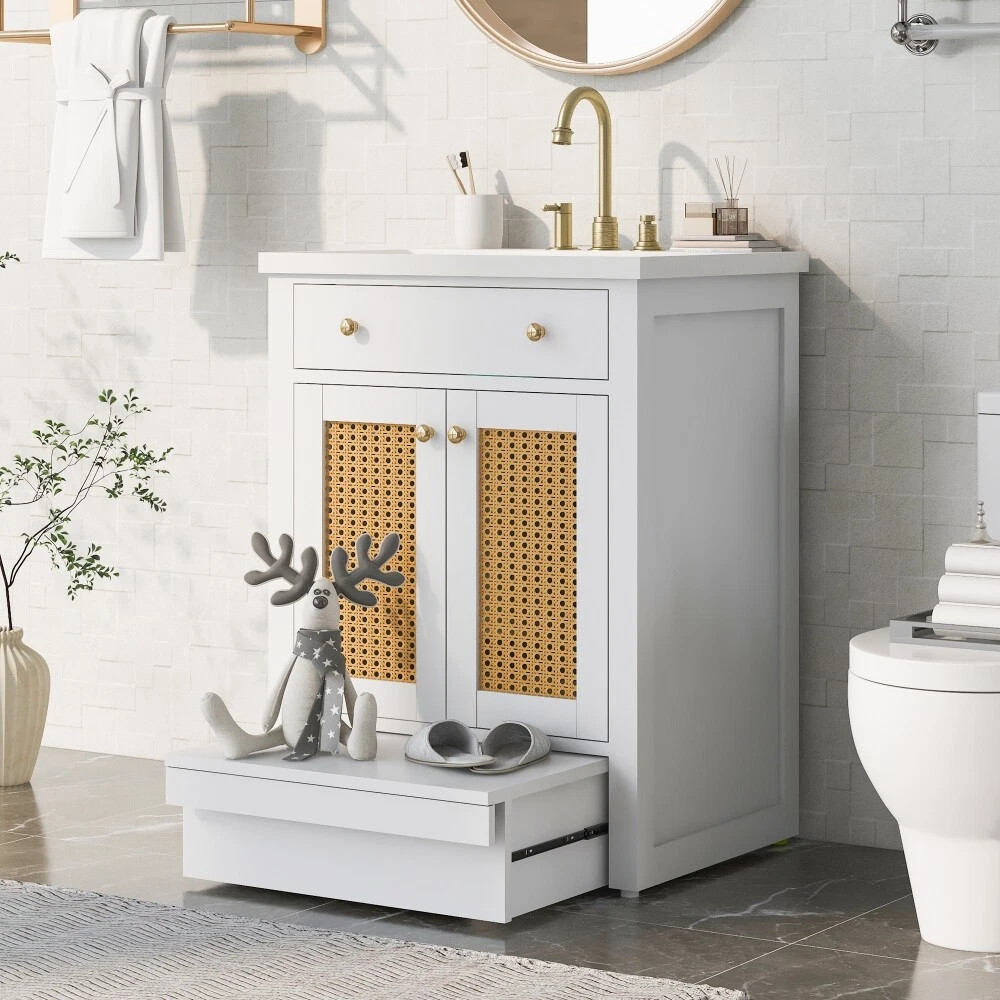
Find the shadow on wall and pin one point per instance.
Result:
(365, 63)
(263, 181)
(672, 156)
(524, 229)
(263, 157)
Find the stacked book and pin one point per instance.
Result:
(750, 243)
(969, 591)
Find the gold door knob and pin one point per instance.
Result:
(535, 332)
(456, 434)
(349, 327)
(423, 433)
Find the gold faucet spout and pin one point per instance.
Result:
(605, 228)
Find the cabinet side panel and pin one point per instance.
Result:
(709, 501)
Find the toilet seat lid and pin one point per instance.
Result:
(923, 668)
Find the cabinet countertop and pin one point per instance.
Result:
(584, 265)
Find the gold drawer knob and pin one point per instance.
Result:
(423, 433)
(456, 434)
(349, 327)
(535, 332)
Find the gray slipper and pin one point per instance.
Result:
(445, 744)
(513, 745)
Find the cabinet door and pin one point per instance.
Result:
(359, 467)
(528, 561)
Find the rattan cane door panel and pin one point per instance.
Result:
(378, 471)
(527, 562)
(370, 485)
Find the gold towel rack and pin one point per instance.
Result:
(309, 30)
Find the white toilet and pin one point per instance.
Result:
(927, 728)
(926, 724)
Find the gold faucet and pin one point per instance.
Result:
(605, 228)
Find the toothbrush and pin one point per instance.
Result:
(466, 160)
(452, 162)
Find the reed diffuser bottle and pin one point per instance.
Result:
(729, 218)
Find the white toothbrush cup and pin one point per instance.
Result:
(479, 221)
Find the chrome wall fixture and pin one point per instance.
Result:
(902, 32)
(921, 33)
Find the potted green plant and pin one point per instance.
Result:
(66, 467)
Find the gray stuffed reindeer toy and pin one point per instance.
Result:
(315, 684)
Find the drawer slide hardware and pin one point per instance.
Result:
(587, 833)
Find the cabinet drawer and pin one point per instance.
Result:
(453, 331)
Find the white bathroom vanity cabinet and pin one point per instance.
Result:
(592, 459)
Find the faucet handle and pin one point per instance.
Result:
(648, 239)
(563, 224)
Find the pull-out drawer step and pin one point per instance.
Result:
(393, 833)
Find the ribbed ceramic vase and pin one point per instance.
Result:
(24, 700)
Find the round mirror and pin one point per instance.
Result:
(598, 36)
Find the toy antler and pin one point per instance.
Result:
(366, 569)
(281, 568)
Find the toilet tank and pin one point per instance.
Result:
(988, 458)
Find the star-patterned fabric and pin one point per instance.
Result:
(322, 728)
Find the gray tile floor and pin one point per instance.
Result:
(809, 921)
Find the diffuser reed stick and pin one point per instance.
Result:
(730, 185)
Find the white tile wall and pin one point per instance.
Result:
(885, 166)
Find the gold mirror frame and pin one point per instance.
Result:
(486, 19)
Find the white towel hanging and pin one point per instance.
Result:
(113, 190)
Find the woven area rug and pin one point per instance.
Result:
(62, 944)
